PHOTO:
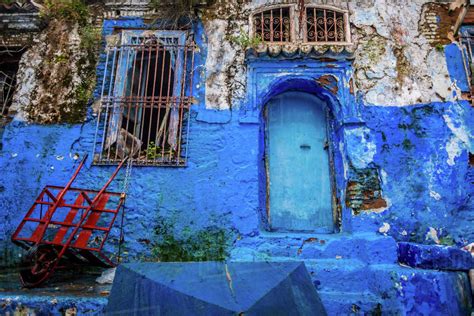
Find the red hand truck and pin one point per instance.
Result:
(67, 226)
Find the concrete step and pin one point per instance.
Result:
(357, 303)
(368, 248)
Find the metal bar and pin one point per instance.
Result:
(112, 221)
(68, 224)
(271, 26)
(140, 93)
(152, 108)
(95, 200)
(106, 119)
(181, 108)
(281, 25)
(28, 214)
(82, 190)
(325, 26)
(191, 95)
(101, 98)
(315, 24)
(31, 219)
(129, 106)
(49, 214)
(168, 109)
(158, 119)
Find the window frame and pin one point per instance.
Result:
(347, 31)
(117, 98)
(293, 27)
(295, 35)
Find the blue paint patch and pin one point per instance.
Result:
(456, 66)
(435, 257)
(51, 305)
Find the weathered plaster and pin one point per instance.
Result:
(54, 71)
(391, 52)
(395, 72)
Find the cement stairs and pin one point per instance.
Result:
(359, 274)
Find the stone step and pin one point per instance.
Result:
(357, 303)
(339, 274)
(368, 248)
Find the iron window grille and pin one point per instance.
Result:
(316, 25)
(7, 86)
(323, 25)
(145, 99)
(273, 25)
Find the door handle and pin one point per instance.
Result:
(326, 145)
(305, 146)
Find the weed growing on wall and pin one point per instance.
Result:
(7, 2)
(70, 11)
(244, 40)
(66, 78)
(207, 244)
(174, 11)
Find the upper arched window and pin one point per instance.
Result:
(310, 24)
(273, 25)
(324, 25)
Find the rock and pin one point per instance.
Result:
(107, 277)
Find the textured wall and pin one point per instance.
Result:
(393, 41)
(401, 168)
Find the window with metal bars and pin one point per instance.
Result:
(273, 25)
(145, 99)
(325, 25)
(9, 64)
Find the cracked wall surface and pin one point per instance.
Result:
(401, 160)
(397, 58)
(56, 76)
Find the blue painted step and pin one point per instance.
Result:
(368, 248)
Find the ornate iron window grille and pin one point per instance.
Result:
(273, 25)
(317, 25)
(145, 99)
(325, 25)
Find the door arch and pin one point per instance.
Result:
(297, 162)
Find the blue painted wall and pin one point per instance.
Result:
(223, 184)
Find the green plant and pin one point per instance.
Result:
(60, 58)
(152, 151)
(70, 11)
(245, 40)
(208, 244)
(90, 38)
(439, 47)
(172, 11)
(447, 241)
(7, 2)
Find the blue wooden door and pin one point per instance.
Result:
(298, 164)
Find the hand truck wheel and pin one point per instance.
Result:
(37, 265)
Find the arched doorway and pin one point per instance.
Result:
(298, 163)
